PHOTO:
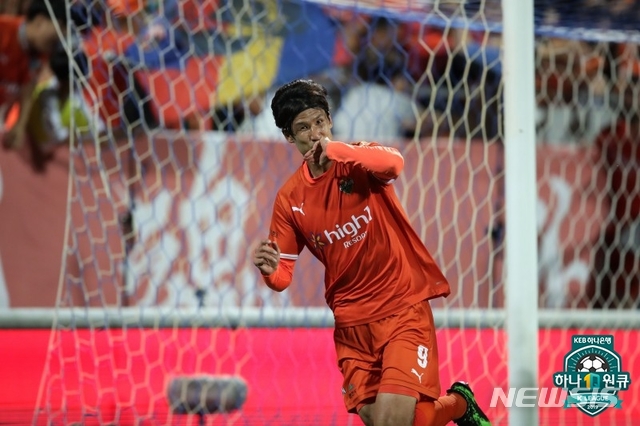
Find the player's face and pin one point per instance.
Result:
(310, 126)
(44, 34)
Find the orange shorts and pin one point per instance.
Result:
(397, 354)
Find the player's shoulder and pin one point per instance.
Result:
(290, 186)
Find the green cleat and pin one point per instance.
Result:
(474, 415)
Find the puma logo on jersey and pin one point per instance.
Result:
(350, 231)
(414, 371)
(298, 209)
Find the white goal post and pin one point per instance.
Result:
(521, 282)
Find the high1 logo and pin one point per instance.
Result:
(350, 229)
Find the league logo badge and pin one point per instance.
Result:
(592, 375)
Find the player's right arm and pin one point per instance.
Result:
(275, 257)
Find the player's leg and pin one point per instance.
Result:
(427, 412)
(411, 370)
(366, 414)
(361, 366)
(394, 409)
(394, 401)
(473, 415)
(360, 370)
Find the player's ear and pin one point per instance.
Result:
(288, 137)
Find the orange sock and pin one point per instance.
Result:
(441, 411)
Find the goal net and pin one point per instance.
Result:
(175, 162)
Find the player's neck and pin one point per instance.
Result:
(317, 170)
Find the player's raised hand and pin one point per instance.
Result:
(318, 153)
(267, 256)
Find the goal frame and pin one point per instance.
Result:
(521, 281)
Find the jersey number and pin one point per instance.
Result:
(422, 356)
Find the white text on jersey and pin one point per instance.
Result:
(350, 229)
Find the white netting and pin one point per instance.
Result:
(175, 168)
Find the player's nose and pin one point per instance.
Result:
(316, 133)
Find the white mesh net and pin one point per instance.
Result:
(176, 163)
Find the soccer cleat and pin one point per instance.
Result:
(474, 415)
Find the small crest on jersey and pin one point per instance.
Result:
(346, 185)
(316, 242)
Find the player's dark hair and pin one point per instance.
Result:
(295, 97)
(39, 7)
(59, 64)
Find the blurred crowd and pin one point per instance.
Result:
(427, 79)
(390, 78)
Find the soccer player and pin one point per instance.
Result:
(379, 277)
(24, 42)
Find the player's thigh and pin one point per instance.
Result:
(366, 414)
(361, 370)
(410, 364)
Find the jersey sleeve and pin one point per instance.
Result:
(282, 230)
(384, 163)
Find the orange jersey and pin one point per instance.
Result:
(352, 221)
(16, 64)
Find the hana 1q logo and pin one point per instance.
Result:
(592, 375)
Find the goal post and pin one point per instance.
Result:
(521, 282)
(513, 178)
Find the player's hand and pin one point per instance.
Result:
(318, 153)
(266, 257)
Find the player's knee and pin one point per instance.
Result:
(394, 417)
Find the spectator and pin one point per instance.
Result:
(24, 41)
(572, 85)
(258, 119)
(51, 119)
(379, 106)
(615, 282)
(129, 14)
(628, 57)
(376, 111)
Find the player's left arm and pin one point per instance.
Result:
(384, 162)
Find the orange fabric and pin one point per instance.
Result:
(281, 278)
(16, 64)
(398, 354)
(441, 411)
(375, 263)
(125, 7)
(384, 162)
